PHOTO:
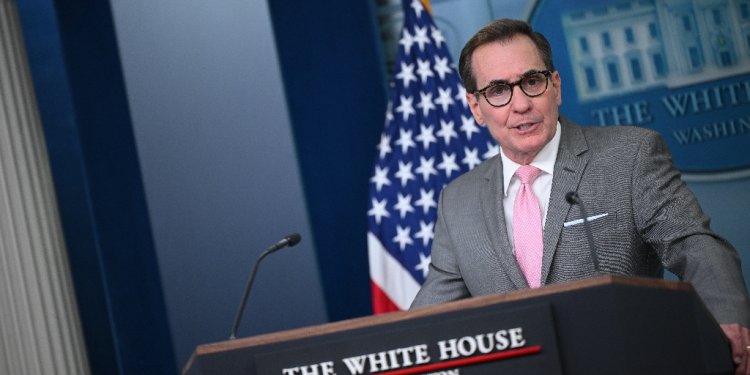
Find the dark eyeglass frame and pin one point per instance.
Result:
(547, 74)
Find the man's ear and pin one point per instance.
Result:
(556, 82)
(473, 102)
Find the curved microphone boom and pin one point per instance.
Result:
(290, 241)
(573, 198)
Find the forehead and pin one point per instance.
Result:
(506, 61)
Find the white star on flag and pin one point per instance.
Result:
(429, 139)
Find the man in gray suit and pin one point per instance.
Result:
(643, 216)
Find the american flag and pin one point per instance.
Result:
(430, 138)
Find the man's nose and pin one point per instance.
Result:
(519, 102)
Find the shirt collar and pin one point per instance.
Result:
(544, 160)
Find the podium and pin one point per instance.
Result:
(604, 325)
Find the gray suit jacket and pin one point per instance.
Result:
(652, 221)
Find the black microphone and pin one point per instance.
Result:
(573, 198)
(290, 241)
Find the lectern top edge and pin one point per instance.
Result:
(571, 323)
(369, 321)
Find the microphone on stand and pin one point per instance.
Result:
(290, 241)
(573, 198)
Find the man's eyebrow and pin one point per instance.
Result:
(530, 72)
(498, 82)
(505, 81)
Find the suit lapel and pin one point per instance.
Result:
(569, 166)
(494, 217)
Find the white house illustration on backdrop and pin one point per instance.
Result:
(641, 44)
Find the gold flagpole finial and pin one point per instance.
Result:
(427, 6)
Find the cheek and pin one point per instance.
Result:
(496, 118)
(498, 132)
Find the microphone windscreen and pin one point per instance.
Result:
(572, 197)
(293, 239)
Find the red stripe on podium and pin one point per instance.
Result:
(466, 361)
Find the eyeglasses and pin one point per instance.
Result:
(499, 94)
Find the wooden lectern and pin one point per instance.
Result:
(604, 325)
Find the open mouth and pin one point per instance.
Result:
(525, 127)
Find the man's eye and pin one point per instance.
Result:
(498, 90)
(531, 81)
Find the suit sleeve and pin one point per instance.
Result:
(672, 222)
(444, 282)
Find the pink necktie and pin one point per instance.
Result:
(527, 227)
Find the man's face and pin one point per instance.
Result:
(525, 125)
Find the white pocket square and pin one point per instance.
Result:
(580, 221)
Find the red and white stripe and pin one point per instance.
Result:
(393, 287)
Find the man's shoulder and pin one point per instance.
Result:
(609, 130)
(618, 131)
(475, 177)
(608, 136)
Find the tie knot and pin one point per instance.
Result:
(528, 173)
